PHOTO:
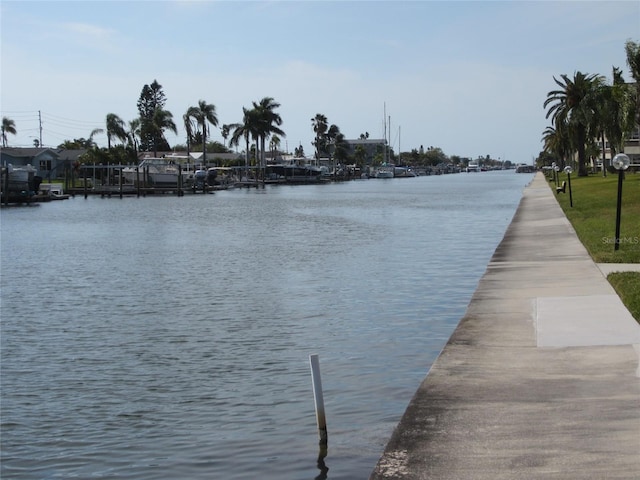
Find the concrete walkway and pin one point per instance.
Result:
(540, 380)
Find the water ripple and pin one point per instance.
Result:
(169, 337)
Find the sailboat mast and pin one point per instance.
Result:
(384, 119)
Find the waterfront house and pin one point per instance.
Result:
(42, 159)
(49, 162)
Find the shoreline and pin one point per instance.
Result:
(540, 378)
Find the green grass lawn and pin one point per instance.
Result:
(593, 217)
(627, 284)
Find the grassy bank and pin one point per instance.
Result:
(627, 284)
(593, 217)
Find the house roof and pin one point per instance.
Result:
(196, 156)
(30, 152)
(366, 141)
(68, 154)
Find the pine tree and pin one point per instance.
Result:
(152, 98)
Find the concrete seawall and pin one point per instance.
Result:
(540, 380)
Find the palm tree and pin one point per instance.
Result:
(616, 116)
(340, 148)
(557, 142)
(162, 120)
(115, 129)
(329, 141)
(188, 127)
(632, 50)
(204, 113)
(268, 123)
(574, 104)
(134, 133)
(90, 142)
(246, 130)
(274, 144)
(225, 133)
(8, 126)
(320, 126)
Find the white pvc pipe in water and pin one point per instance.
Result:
(318, 398)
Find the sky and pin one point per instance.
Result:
(469, 77)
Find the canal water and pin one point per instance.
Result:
(166, 337)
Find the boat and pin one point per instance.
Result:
(524, 168)
(473, 167)
(385, 171)
(403, 172)
(297, 170)
(159, 172)
(20, 180)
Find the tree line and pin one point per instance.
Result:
(586, 109)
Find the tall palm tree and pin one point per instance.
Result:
(320, 126)
(188, 127)
(115, 129)
(247, 129)
(134, 133)
(204, 113)
(616, 117)
(632, 50)
(575, 103)
(8, 126)
(268, 123)
(225, 133)
(162, 120)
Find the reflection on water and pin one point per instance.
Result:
(166, 337)
(322, 466)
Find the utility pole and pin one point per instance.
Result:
(40, 126)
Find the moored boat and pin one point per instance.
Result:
(385, 171)
(21, 180)
(404, 172)
(298, 170)
(159, 172)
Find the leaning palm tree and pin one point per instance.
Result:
(268, 123)
(162, 120)
(574, 103)
(115, 129)
(202, 114)
(8, 126)
(91, 143)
